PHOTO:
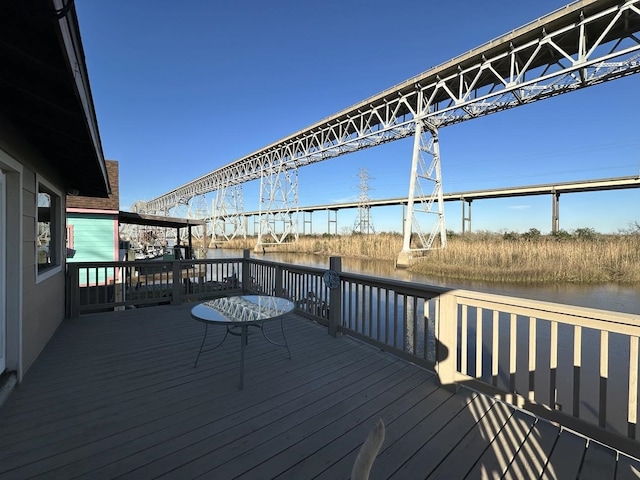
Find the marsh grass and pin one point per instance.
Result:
(603, 259)
(383, 246)
(492, 257)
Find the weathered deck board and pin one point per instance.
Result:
(566, 457)
(504, 447)
(628, 469)
(599, 462)
(115, 395)
(532, 457)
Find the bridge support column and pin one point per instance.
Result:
(466, 216)
(199, 211)
(307, 221)
(227, 216)
(423, 175)
(555, 212)
(332, 221)
(278, 206)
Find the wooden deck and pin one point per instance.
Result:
(115, 395)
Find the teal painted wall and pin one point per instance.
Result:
(93, 239)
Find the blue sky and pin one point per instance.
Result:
(183, 88)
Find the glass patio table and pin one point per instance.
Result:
(237, 314)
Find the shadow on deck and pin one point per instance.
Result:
(115, 395)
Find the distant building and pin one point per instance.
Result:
(92, 225)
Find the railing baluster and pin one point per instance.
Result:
(604, 374)
(366, 312)
(386, 316)
(371, 332)
(426, 305)
(495, 350)
(553, 365)
(513, 338)
(395, 319)
(378, 314)
(356, 303)
(96, 295)
(415, 326)
(577, 364)
(479, 312)
(632, 408)
(464, 341)
(346, 306)
(405, 323)
(532, 359)
(436, 322)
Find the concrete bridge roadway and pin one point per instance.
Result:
(553, 189)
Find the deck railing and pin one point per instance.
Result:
(96, 286)
(577, 366)
(574, 365)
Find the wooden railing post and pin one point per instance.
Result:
(447, 340)
(335, 299)
(280, 282)
(246, 271)
(176, 290)
(73, 294)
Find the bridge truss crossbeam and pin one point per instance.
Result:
(278, 208)
(227, 219)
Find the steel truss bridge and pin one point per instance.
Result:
(585, 43)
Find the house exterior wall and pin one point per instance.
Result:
(34, 302)
(95, 237)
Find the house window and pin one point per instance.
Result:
(49, 229)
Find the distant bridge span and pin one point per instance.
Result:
(553, 189)
(582, 44)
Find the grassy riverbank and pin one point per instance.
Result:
(582, 257)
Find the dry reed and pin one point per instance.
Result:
(491, 257)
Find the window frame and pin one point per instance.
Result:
(58, 239)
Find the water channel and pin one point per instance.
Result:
(615, 297)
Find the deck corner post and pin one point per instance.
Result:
(447, 341)
(245, 275)
(279, 286)
(176, 291)
(335, 299)
(73, 296)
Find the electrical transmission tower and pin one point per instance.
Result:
(363, 221)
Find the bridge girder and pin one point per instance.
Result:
(580, 45)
